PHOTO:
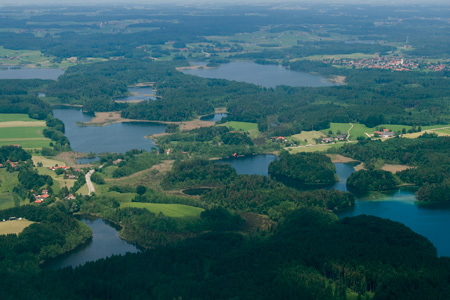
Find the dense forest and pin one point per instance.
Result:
(311, 254)
(303, 168)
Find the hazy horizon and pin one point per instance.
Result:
(193, 2)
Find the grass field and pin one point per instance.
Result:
(14, 227)
(170, 210)
(21, 130)
(47, 162)
(8, 182)
(17, 117)
(242, 126)
(309, 136)
(316, 148)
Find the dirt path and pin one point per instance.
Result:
(89, 182)
(348, 132)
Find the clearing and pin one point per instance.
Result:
(306, 137)
(170, 210)
(14, 227)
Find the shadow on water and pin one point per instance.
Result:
(105, 242)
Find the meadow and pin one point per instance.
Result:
(14, 227)
(170, 210)
(19, 129)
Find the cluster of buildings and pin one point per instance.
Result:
(40, 198)
(340, 137)
(388, 63)
(385, 133)
(11, 163)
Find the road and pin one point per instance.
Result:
(89, 182)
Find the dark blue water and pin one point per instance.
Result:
(214, 117)
(250, 165)
(263, 75)
(119, 137)
(27, 73)
(105, 242)
(431, 220)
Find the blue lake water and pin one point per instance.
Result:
(214, 117)
(431, 220)
(250, 165)
(105, 242)
(263, 75)
(13, 72)
(119, 137)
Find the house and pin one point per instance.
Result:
(70, 197)
(59, 167)
(341, 137)
(117, 161)
(327, 140)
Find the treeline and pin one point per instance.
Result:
(14, 154)
(52, 234)
(303, 168)
(214, 141)
(262, 195)
(372, 180)
(197, 172)
(428, 154)
(311, 254)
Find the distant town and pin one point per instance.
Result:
(389, 63)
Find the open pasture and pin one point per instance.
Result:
(170, 210)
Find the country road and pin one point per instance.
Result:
(89, 182)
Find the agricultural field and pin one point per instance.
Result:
(14, 227)
(19, 129)
(315, 148)
(7, 182)
(170, 210)
(22, 57)
(306, 137)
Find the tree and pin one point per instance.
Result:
(140, 190)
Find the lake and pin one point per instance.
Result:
(119, 137)
(13, 72)
(105, 242)
(431, 220)
(264, 75)
(214, 117)
(250, 165)
(140, 94)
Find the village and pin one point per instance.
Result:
(389, 63)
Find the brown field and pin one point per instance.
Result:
(395, 168)
(337, 158)
(338, 79)
(22, 124)
(107, 118)
(14, 227)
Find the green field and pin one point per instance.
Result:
(15, 117)
(8, 182)
(170, 210)
(14, 227)
(242, 126)
(21, 132)
(315, 148)
(19, 129)
(309, 136)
